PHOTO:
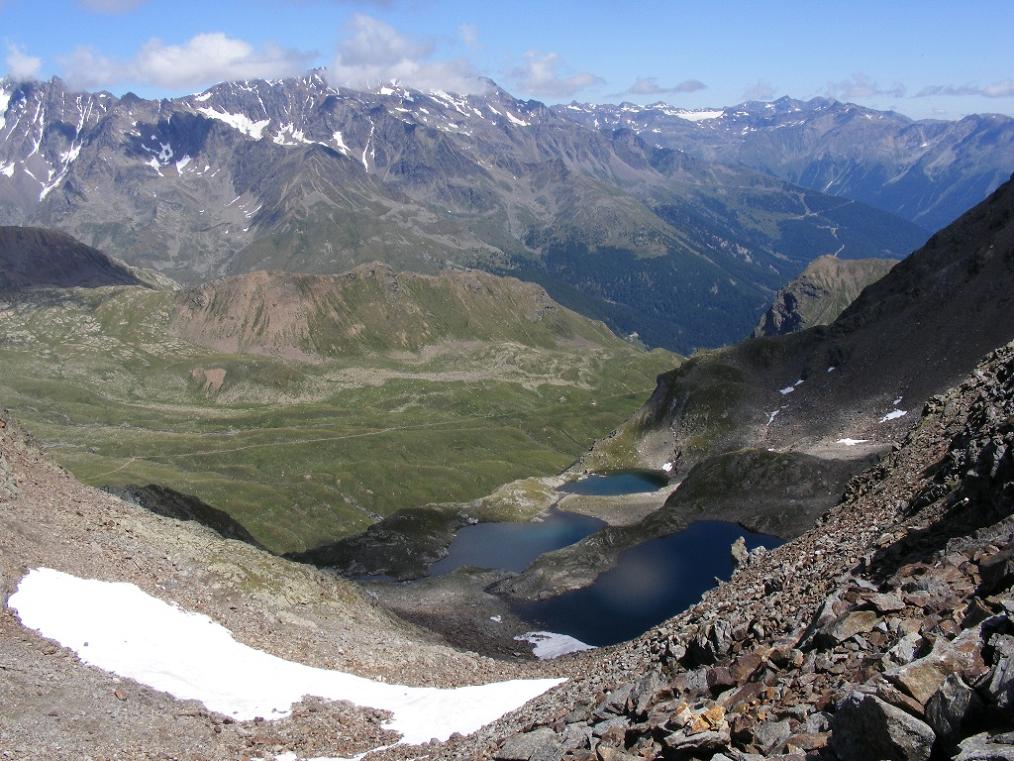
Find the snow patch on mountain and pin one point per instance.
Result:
(120, 628)
(549, 645)
(698, 116)
(240, 122)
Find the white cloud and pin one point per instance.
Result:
(539, 75)
(860, 87)
(201, 60)
(111, 6)
(759, 90)
(469, 34)
(20, 65)
(650, 86)
(374, 52)
(1002, 89)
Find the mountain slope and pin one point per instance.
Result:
(806, 408)
(819, 294)
(308, 407)
(883, 632)
(298, 176)
(38, 258)
(373, 309)
(58, 706)
(928, 172)
(908, 335)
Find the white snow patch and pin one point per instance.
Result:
(851, 442)
(202, 97)
(699, 116)
(897, 401)
(240, 122)
(549, 645)
(288, 135)
(516, 120)
(340, 142)
(153, 163)
(386, 91)
(831, 369)
(122, 629)
(496, 619)
(667, 467)
(893, 415)
(5, 99)
(182, 164)
(772, 415)
(789, 389)
(7, 169)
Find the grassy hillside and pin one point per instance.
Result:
(309, 408)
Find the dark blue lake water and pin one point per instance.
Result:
(513, 546)
(652, 582)
(614, 484)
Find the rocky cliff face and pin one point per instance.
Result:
(296, 175)
(36, 258)
(885, 632)
(819, 294)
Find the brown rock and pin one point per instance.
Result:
(849, 624)
(744, 666)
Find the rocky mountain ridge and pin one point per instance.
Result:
(927, 171)
(819, 294)
(296, 175)
(37, 258)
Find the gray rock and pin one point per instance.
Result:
(1001, 681)
(703, 742)
(906, 649)
(983, 748)
(950, 706)
(709, 645)
(997, 572)
(818, 722)
(8, 485)
(740, 554)
(605, 727)
(865, 727)
(645, 691)
(542, 744)
(615, 702)
(770, 735)
(577, 736)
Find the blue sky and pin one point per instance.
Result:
(924, 59)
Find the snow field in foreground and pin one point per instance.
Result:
(122, 629)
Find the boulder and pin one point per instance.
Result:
(847, 625)
(865, 727)
(982, 747)
(740, 554)
(997, 572)
(542, 744)
(771, 735)
(1000, 688)
(950, 707)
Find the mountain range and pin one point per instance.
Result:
(927, 171)
(654, 236)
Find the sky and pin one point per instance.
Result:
(928, 59)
